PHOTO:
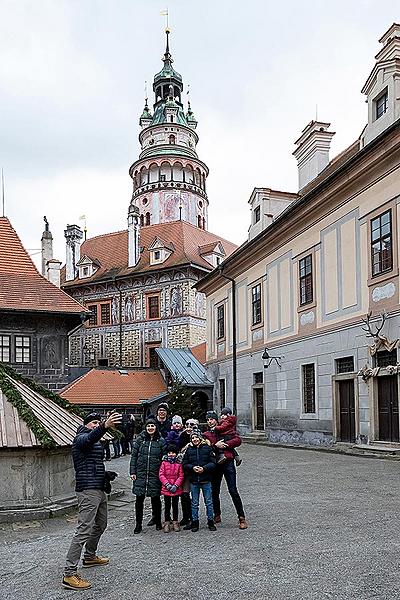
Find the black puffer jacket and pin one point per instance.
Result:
(145, 464)
(199, 456)
(87, 454)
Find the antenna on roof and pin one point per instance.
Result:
(2, 192)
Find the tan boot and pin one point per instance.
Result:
(166, 527)
(242, 523)
(176, 526)
(95, 561)
(75, 582)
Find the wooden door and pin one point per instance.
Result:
(347, 424)
(388, 409)
(259, 409)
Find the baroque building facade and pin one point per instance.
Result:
(140, 283)
(311, 356)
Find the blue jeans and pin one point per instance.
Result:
(195, 493)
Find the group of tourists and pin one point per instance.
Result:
(169, 458)
(178, 461)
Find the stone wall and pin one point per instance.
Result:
(34, 477)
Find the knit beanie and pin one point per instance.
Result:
(93, 416)
(151, 420)
(177, 420)
(163, 405)
(226, 411)
(196, 433)
(211, 414)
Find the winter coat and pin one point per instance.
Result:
(87, 454)
(227, 426)
(213, 437)
(173, 437)
(145, 464)
(200, 456)
(171, 472)
(164, 427)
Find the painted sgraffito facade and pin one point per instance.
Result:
(308, 370)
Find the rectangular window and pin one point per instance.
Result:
(222, 398)
(381, 243)
(257, 214)
(385, 358)
(345, 365)
(153, 358)
(153, 305)
(308, 375)
(22, 349)
(258, 378)
(306, 280)
(381, 104)
(221, 322)
(105, 314)
(256, 303)
(5, 348)
(93, 316)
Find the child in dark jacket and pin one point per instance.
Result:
(199, 463)
(227, 428)
(171, 477)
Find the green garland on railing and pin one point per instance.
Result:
(24, 410)
(43, 391)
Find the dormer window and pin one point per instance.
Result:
(159, 251)
(257, 214)
(87, 267)
(381, 104)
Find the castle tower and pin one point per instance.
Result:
(169, 180)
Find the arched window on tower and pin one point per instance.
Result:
(204, 223)
(172, 139)
(141, 220)
(199, 221)
(147, 218)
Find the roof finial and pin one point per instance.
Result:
(167, 56)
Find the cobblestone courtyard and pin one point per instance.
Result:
(320, 526)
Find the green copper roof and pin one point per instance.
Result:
(159, 115)
(167, 72)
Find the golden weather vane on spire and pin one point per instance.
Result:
(165, 14)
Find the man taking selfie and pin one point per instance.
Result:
(87, 454)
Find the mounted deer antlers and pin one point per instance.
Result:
(376, 335)
(379, 339)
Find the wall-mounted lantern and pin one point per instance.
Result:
(268, 359)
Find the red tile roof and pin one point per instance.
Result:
(109, 387)
(21, 285)
(111, 249)
(199, 352)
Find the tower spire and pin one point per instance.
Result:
(167, 55)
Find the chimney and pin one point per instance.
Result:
(53, 271)
(73, 236)
(312, 152)
(47, 247)
(133, 236)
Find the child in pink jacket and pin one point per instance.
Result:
(171, 476)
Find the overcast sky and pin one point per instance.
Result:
(72, 85)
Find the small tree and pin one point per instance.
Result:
(182, 401)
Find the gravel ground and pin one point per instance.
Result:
(320, 526)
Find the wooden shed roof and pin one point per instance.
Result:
(60, 424)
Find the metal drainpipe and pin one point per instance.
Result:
(234, 352)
